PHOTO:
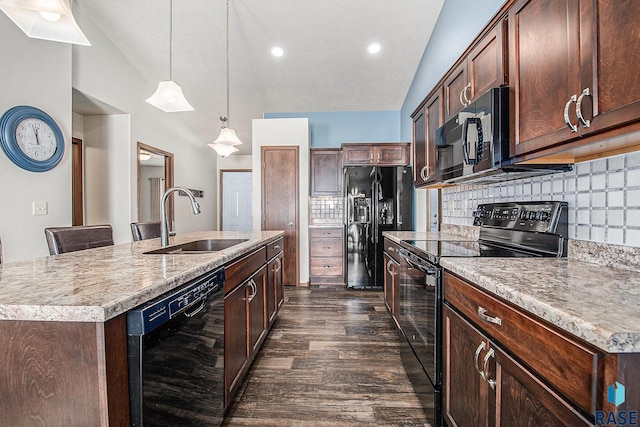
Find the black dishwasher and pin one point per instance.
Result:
(176, 356)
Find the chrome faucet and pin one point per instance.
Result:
(164, 226)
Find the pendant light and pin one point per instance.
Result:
(45, 19)
(168, 96)
(227, 140)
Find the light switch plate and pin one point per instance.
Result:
(40, 208)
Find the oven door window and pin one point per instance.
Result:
(418, 315)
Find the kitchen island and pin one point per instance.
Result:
(63, 357)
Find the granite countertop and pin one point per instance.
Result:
(98, 284)
(596, 303)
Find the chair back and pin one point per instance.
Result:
(145, 230)
(77, 238)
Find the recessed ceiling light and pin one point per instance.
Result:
(374, 48)
(277, 51)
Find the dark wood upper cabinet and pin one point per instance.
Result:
(573, 70)
(326, 172)
(425, 122)
(478, 72)
(375, 154)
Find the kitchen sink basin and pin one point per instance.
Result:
(198, 246)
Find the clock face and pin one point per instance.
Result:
(31, 138)
(36, 139)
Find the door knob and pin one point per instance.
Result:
(290, 223)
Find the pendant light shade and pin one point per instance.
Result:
(227, 140)
(227, 136)
(45, 19)
(222, 149)
(169, 98)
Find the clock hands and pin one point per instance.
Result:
(36, 127)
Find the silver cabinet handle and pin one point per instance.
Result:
(571, 126)
(278, 265)
(390, 249)
(464, 94)
(460, 97)
(585, 123)
(423, 172)
(485, 375)
(482, 313)
(481, 347)
(254, 289)
(389, 263)
(378, 155)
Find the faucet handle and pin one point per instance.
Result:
(172, 233)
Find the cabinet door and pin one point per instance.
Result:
(455, 90)
(465, 391)
(389, 282)
(326, 172)
(523, 400)
(354, 155)
(274, 288)
(609, 69)
(425, 124)
(257, 311)
(391, 155)
(485, 63)
(544, 71)
(236, 351)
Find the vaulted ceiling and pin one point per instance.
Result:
(325, 66)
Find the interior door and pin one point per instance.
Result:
(280, 202)
(236, 200)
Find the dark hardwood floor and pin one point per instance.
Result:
(332, 359)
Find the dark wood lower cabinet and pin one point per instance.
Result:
(258, 321)
(484, 386)
(236, 351)
(275, 288)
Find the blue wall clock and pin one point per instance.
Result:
(31, 138)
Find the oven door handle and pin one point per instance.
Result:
(431, 271)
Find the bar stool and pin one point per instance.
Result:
(145, 230)
(77, 238)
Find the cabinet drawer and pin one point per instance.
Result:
(274, 248)
(567, 364)
(326, 247)
(326, 266)
(238, 271)
(325, 232)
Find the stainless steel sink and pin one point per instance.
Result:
(198, 246)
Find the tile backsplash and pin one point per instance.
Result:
(325, 210)
(603, 197)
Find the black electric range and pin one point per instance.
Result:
(522, 229)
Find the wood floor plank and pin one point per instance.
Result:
(331, 359)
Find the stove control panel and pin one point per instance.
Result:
(545, 217)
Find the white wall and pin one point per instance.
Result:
(37, 73)
(101, 72)
(283, 132)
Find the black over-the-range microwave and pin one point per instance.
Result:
(473, 146)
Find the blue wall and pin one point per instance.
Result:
(459, 22)
(330, 129)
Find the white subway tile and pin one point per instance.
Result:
(615, 236)
(615, 217)
(633, 217)
(584, 183)
(615, 198)
(583, 232)
(632, 237)
(598, 217)
(598, 234)
(615, 180)
(633, 159)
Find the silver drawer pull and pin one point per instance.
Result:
(586, 123)
(276, 247)
(390, 249)
(482, 312)
(567, 120)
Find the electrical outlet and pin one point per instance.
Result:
(40, 208)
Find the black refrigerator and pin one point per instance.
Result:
(377, 199)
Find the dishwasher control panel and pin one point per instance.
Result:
(149, 316)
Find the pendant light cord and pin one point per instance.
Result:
(171, 40)
(227, 121)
